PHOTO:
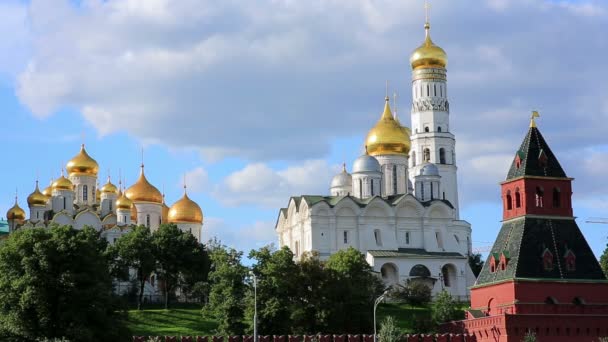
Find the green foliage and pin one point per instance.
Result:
(388, 330)
(135, 250)
(277, 290)
(604, 261)
(476, 263)
(227, 292)
(56, 284)
(530, 337)
(351, 292)
(445, 308)
(412, 292)
(313, 306)
(177, 254)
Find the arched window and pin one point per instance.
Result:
(428, 90)
(517, 199)
(509, 200)
(394, 179)
(442, 156)
(557, 198)
(427, 155)
(93, 192)
(432, 191)
(550, 300)
(434, 90)
(445, 274)
(148, 220)
(438, 128)
(372, 187)
(413, 158)
(360, 188)
(110, 205)
(578, 301)
(64, 206)
(539, 197)
(378, 237)
(421, 191)
(426, 129)
(85, 192)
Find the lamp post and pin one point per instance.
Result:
(255, 307)
(378, 300)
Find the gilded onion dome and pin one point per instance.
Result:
(82, 163)
(36, 198)
(133, 213)
(123, 202)
(48, 191)
(428, 55)
(15, 213)
(143, 191)
(165, 211)
(185, 210)
(109, 187)
(62, 183)
(388, 136)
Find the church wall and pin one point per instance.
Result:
(87, 219)
(152, 209)
(192, 228)
(80, 181)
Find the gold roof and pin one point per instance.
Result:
(428, 55)
(133, 214)
(36, 198)
(388, 136)
(185, 210)
(48, 191)
(82, 163)
(62, 183)
(123, 202)
(109, 187)
(143, 191)
(165, 212)
(97, 193)
(15, 213)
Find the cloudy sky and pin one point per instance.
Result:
(255, 101)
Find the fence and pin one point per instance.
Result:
(311, 338)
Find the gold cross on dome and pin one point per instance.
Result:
(534, 115)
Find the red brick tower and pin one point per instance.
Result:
(541, 275)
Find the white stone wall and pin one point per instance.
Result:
(123, 217)
(58, 203)
(192, 228)
(388, 164)
(146, 210)
(108, 203)
(80, 182)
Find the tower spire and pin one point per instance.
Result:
(427, 20)
(534, 115)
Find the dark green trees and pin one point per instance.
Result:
(56, 283)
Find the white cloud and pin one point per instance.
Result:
(259, 185)
(241, 237)
(197, 180)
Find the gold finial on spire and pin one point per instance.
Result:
(184, 183)
(534, 115)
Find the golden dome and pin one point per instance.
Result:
(123, 202)
(428, 55)
(143, 191)
(133, 214)
(185, 211)
(82, 163)
(48, 191)
(165, 212)
(97, 194)
(15, 213)
(388, 136)
(62, 183)
(36, 198)
(109, 187)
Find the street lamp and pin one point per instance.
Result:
(378, 300)
(255, 307)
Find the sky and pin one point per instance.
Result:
(257, 101)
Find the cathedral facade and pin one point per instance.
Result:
(78, 200)
(399, 205)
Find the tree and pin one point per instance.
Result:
(476, 263)
(174, 251)
(412, 292)
(445, 308)
(351, 293)
(604, 261)
(311, 315)
(277, 291)
(56, 284)
(135, 250)
(389, 332)
(227, 290)
(530, 337)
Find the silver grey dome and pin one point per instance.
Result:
(429, 169)
(366, 163)
(342, 179)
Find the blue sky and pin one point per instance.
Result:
(258, 101)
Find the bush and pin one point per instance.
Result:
(412, 292)
(530, 337)
(388, 330)
(445, 308)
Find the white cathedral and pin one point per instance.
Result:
(78, 201)
(399, 206)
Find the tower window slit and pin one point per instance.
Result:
(85, 196)
(394, 179)
(442, 156)
(372, 187)
(556, 198)
(360, 188)
(434, 90)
